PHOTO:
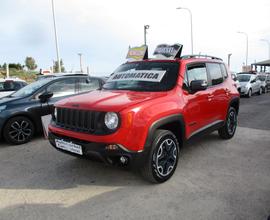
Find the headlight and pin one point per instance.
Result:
(2, 108)
(111, 120)
(55, 113)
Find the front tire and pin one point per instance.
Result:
(249, 93)
(18, 130)
(227, 131)
(260, 91)
(163, 157)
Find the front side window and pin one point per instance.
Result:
(88, 84)
(196, 72)
(215, 73)
(142, 76)
(62, 88)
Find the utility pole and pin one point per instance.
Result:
(229, 59)
(56, 38)
(240, 32)
(145, 32)
(7, 70)
(191, 26)
(80, 55)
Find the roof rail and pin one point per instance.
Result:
(200, 56)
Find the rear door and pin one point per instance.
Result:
(219, 94)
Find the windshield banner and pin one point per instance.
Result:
(137, 53)
(138, 75)
(168, 51)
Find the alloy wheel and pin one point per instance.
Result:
(166, 157)
(20, 131)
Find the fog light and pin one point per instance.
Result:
(123, 160)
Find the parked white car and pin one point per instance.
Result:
(250, 84)
(10, 85)
(238, 86)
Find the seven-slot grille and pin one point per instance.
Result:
(77, 120)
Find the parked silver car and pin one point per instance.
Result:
(265, 79)
(250, 84)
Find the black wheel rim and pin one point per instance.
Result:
(20, 131)
(166, 157)
(232, 122)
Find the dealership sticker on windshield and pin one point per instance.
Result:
(138, 75)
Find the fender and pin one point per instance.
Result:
(162, 122)
(235, 101)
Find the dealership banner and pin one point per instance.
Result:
(138, 75)
(168, 51)
(137, 53)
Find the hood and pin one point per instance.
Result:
(7, 99)
(243, 83)
(108, 100)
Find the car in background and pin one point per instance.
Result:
(250, 84)
(21, 112)
(265, 79)
(10, 85)
(237, 83)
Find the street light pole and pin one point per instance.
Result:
(240, 32)
(145, 32)
(268, 42)
(229, 59)
(56, 38)
(191, 26)
(80, 55)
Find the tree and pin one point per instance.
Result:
(56, 68)
(30, 63)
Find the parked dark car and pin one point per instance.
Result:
(20, 112)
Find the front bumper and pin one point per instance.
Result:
(101, 152)
(243, 91)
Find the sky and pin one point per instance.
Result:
(103, 30)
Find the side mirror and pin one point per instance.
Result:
(44, 97)
(198, 85)
(253, 81)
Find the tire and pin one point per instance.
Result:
(249, 93)
(227, 131)
(260, 91)
(18, 130)
(163, 157)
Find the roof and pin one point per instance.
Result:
(262, 63)
(11, 79)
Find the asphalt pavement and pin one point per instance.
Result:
(215, 179)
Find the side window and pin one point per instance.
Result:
(62, 88)
(88, 84)
(224, 71)
(215, 73)
(196, 72)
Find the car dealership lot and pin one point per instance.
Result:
(215, 179)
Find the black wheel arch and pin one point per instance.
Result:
(235, 102)
(174, 123)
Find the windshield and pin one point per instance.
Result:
(31, 88)
(262, 78)
(243, 78)
(144, 76)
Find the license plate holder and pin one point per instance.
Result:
(68, 146)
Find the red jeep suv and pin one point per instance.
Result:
(145, 111)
